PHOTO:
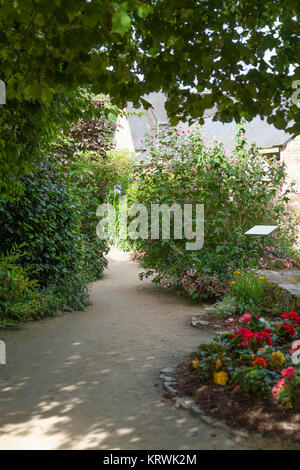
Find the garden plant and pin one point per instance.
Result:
(257, 357)
(237, 191)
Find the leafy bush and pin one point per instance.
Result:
(238, 191)
(27, 129)
(50, 219)
(18, 293)
(56, 215)
(91, 133)
(46, 219)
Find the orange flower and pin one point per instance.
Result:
(260, 361)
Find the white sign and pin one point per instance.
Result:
(262, 230)
(2, 92)
(2, 352)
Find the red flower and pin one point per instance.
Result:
(290, 328)
(245, 318)
(292, 316)
(264, 336)
(284, 316)
(260, 336)
(65, 169)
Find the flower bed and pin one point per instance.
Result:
(250, 376)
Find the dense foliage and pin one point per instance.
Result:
(92, 132)
(27, 129)
(49, 249)
(206, 45)
(49, 220)
(19, 295)
(237, 191)
(49, 49)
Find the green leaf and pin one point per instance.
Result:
(121, 22)
(39, 19)
(144, 10)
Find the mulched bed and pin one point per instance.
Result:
(240, 410)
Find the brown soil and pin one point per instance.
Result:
(240, 410)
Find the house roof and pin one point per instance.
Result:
(258, 130)
(141, 125)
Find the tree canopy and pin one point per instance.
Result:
(129, 48)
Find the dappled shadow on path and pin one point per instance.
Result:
(90, 380)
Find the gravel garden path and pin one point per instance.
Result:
(90, 380)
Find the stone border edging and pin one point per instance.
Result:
(168, 377)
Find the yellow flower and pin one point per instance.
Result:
(195, 363)
(252, 356)
(219, 364)
(278, 357)
(236, 272)
(260, 277)
(221, 378)
(233, 282)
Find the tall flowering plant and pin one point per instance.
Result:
(237, 190)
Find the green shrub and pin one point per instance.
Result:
(51, 219)
(27, 128)
(46, 219)
(19, 294)
(237, 191)
(247, 289)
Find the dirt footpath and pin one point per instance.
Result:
(90, 380)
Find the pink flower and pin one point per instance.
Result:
(276, 390)
(295, 346)
(245, 318)
(288, 373)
